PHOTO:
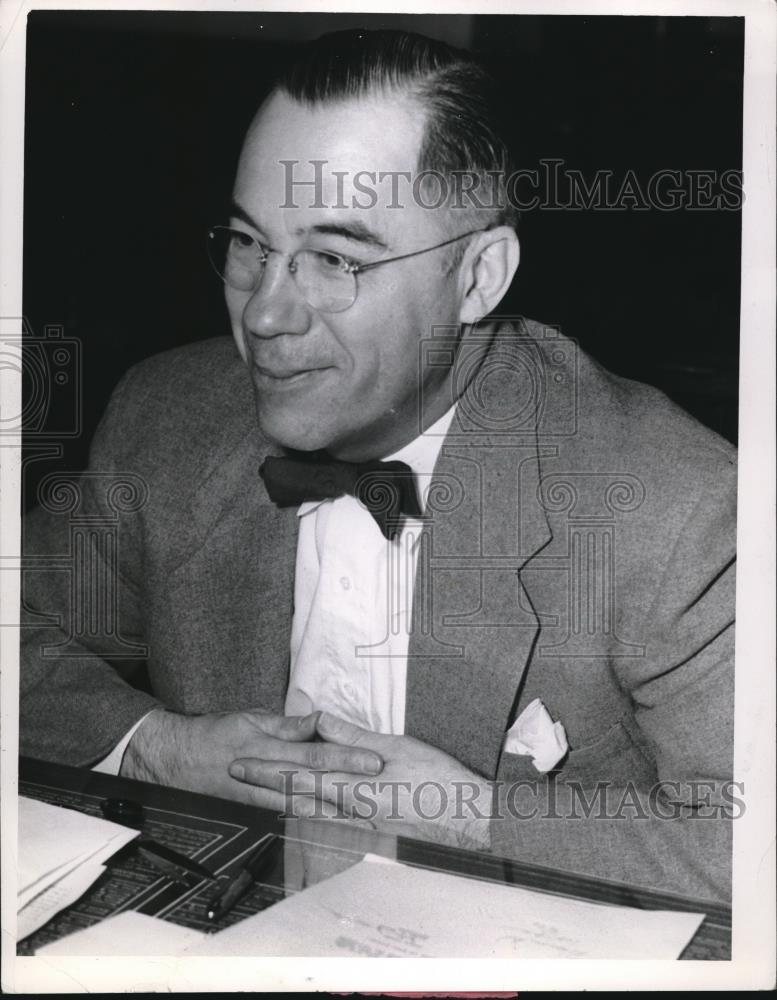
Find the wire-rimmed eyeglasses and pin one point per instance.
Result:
(326, 280)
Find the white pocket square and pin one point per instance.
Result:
(535, 734)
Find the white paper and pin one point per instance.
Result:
(392, 910)
(24, 895)
(128, 933)
(50, 837)
(56, 897)
(383, 909)
(61, 852)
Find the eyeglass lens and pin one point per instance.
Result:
(321, 277)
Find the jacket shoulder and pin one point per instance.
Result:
(677, 474)
(179, 407)
(639, 421)
(595, 416)
(201, 379)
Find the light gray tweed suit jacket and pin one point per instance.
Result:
(579, 549)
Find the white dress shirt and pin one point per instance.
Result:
(353, 598)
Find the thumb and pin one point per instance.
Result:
(336, 730)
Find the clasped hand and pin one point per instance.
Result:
(195, 752)
(315, 766)
(420, 791)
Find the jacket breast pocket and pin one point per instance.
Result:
(614, 758)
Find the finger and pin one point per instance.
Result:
(336, 730)
(283, 777)
(298, 783)
(301, 806)
(294, 728)
(320, 756)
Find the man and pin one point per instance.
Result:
(518, 639)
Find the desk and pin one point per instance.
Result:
(220, 833)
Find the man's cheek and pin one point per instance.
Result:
(239, 338)
(235, 312)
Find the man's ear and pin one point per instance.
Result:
(486, 272)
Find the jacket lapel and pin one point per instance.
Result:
(473, 623)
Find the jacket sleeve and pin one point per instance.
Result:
(676, 835)
(82, 603)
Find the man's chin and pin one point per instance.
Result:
(291, 435)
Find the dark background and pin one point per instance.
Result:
(133, 127)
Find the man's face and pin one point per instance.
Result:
(346, 381)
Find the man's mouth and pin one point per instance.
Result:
(285, 376)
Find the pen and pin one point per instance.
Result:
(234, 891)
(171, 862)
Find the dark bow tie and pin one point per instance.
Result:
(386, 489)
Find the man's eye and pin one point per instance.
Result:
(331, 261)
(241, 241)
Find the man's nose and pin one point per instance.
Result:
(276, 306)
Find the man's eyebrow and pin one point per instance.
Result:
(238, 212)
(355, 231)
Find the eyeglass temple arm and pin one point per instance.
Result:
(416, 253)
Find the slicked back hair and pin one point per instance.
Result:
(459, 98)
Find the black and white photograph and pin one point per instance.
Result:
(388, 454)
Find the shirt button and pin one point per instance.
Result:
(349, 690)
(345, 583)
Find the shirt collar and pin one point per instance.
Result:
(420, 454)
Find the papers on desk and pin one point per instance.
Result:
(385, 909)
(61, 853)
(129, 934)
